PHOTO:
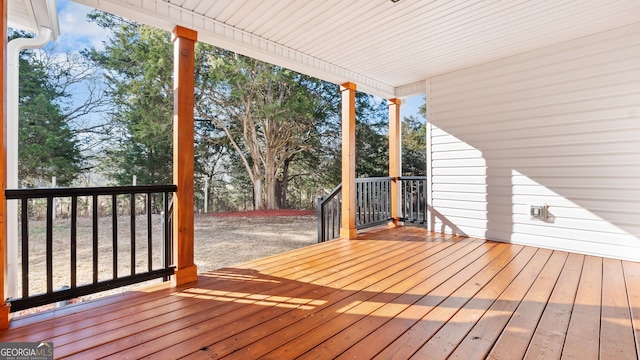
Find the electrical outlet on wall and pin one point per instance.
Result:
(539, 212)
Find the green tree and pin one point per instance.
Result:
(414, 147)
(372, 141)
(267, 113)
(47, 144)
(138, 62)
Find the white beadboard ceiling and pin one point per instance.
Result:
(387, 49)
(29, 15)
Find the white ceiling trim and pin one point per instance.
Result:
(166, 16)
(419, 87)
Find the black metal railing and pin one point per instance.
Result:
(413, 199)
(373, 207)
(373, 204)
(105, 201)
(373, 201)
(330, 215)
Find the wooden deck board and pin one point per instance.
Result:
(353, 295)
(238, 300)
(584, 327)
(549, 336)
(392, 293)
(488, 328)
(187, 341)
(632, 279)
(616, 330)
(442, 344)
(436, 315)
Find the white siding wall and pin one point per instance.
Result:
(557, 126)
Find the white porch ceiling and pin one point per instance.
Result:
(388, 49)
(29, 15)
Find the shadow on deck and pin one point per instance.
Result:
(392, 293)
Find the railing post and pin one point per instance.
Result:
(395, 157)
(348, 227)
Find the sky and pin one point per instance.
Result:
(77, 34)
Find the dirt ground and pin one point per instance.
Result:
(221, 240)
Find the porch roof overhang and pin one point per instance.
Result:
(387, 48)
(31, 15)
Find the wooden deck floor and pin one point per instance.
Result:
(392, 294)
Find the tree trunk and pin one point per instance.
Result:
(284, 183)
(257, 193)
(271, 184)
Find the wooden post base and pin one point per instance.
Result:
(185, 275)
(348, 234)
(5, 316)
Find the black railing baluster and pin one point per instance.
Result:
(412, 193)
(359, 201)
(149, 235)
(367, 201)
(132, 224)
(321, 221)
(74, 241)
(425, 207)
(403, 198)
(387, 200)
(114, 233)
(374, 204)
(95, 238)
(25, 247)
(338, 218)
(369, 192)
(419, 195)
(49, 245)
(378, 201)
(372, 195)
(168, 232)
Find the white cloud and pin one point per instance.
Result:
(76, 33)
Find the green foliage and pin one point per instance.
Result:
(139, 64)
(268, 114)
(47, 145)
(414, 147)
(372, 140)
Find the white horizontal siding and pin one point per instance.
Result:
(557, 126)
